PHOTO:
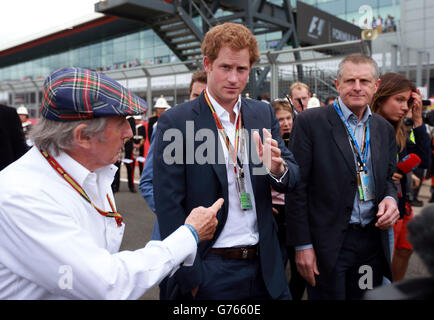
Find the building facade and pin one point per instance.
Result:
(109, 44)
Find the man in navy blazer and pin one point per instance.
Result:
(195, 162)
(339, 213)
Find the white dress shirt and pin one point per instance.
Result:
(55, 245)
(241, 227)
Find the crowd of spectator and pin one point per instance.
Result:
(385, 25)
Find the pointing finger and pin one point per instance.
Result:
(217, 205)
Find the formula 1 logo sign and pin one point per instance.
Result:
(316, 27)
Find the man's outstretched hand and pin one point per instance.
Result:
(204, 220)
(269, 152)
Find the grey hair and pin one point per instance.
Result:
(358, 58)
(58, 136)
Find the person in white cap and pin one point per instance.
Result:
(25, 123)
(313, 102)
(160, 106)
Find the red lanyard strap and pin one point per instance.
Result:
(65, 175)
(232, 151)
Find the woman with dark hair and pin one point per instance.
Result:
(398, 101)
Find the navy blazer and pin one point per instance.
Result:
(182, 186)
(319, 210)
(12, 142)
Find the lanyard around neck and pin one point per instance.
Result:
(361, 159)
(233, 151)
(65, 175)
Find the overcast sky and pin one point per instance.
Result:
(20, 19)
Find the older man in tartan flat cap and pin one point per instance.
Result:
(60, 231)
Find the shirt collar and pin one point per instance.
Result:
(81, 174)
(220, 111)
(348, 114)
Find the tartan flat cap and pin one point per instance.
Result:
(78, 94)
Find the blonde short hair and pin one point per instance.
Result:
(298, 85)
(56, 136)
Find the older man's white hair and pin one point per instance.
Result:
(58, 136)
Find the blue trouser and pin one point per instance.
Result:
(233, 280)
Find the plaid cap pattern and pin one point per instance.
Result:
(78, 94)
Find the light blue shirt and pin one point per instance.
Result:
(363, 211)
